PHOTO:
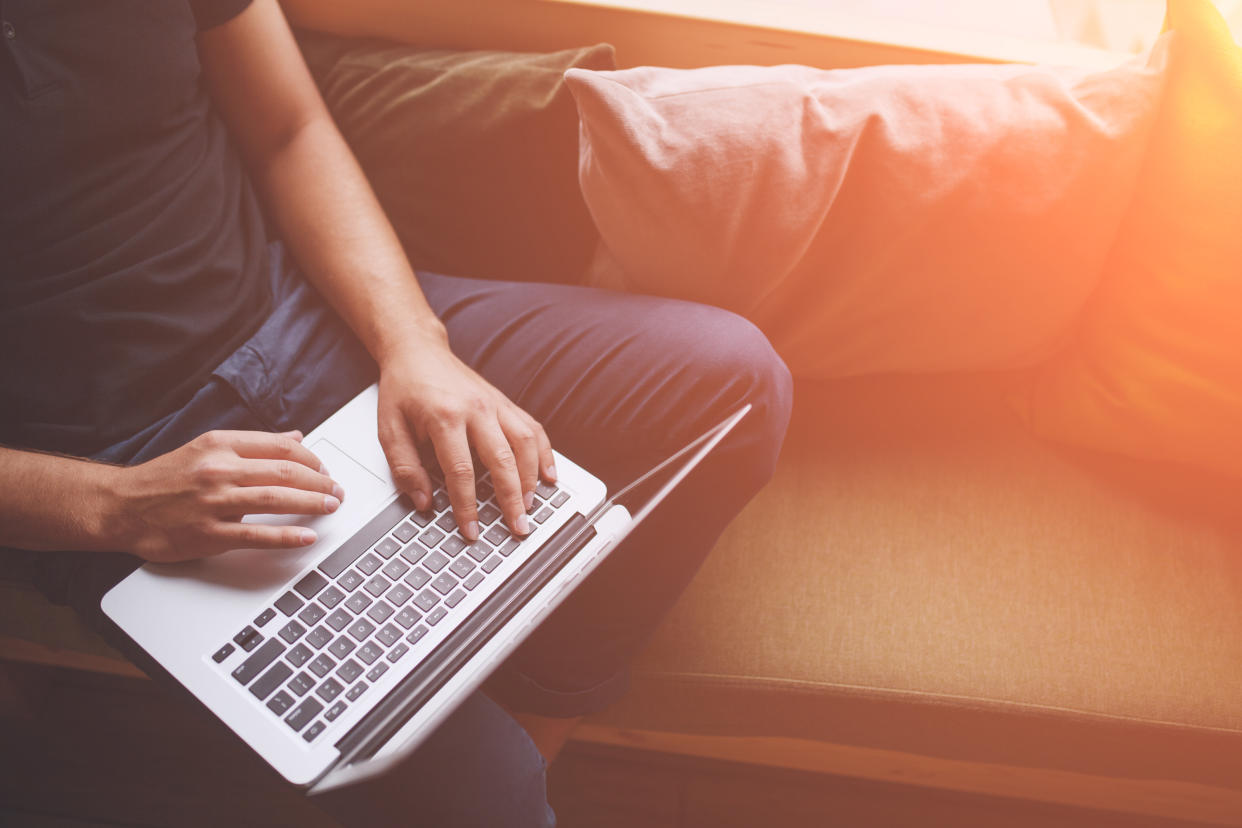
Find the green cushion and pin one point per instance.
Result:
(474, 155)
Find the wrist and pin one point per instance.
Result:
(401, 343)
(105, 523)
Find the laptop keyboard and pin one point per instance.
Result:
(321, 645)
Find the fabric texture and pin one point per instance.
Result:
(1156, 370)
(473, 154)
(899, 218)
(131, 244)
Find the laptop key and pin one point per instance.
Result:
(545, 490)
(222, 653)
(377, 671)
(421, 519)
(369, 652)
(349, 670)
(447, 522)
(350, 581)
(444, 583)
(436, 615)
(407, 618)
(361, 629)
(478, 551)
(313, 731)
(311, 614)
(334, 711)
(426, 600)
(396, 568)
(358, 689)
(489, 514)
(279, 703)
(416, 634)
(414, 552)
(310, 584)
(509, 546)
(431, 537)
(418, 578)
(380, 612)
(405, 532)
(387, 548)
(299, 655)
(543, 515)
(303, 713)
(439, 501)
(462, 567)
(389, 635)
(289, 604)
(558, 500)
(496, 535)
(342, 647)
(452, 545)
(399, 594)
(455, 597)
(292, 631)
(259, 660)
(436, 561)
(301, 684)
(248, 635)
(491, 563)
(368, 564)
(329, 689)
(265, 616)
(271, 680)
(358, 602)
(473, 580)
(318, 637)
(340, 619)
(378, 585)
(322, 665)
(396, 652)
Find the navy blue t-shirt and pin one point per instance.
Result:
(132, 248)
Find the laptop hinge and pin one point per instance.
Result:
(413, 691)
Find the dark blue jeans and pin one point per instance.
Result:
(619, 382)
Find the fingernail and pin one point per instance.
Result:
(331, 504)
(421, 501)
(471, 530)
(529, 500)
(523, 525)
(307, 537)
(323, 469)
(550, 473)
(338, 491)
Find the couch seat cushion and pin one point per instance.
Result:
(924, 576)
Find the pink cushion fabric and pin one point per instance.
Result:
(899, 218)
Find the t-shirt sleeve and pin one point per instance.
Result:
(210, 13)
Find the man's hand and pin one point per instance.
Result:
(427, 393)
(189, 503)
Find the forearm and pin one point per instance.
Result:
(49, 502)
(332, 223)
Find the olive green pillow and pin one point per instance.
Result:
(474, 155)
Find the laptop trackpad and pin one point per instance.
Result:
(248, 569)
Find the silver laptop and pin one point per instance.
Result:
(337, 660)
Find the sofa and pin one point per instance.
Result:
(927, 598)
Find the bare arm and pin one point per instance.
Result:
(330, 219)
(185, 504)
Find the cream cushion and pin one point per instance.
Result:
(885, 218)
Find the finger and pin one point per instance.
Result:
(276, 500)
(403, 460)
(547, 459)
(264, 445)
(292, 435)
(286, 473)
(521, 438)
(453, 452)
(496, 453)
(260, 536)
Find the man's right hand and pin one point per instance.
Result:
(189, 503)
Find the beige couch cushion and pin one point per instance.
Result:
(925, 577)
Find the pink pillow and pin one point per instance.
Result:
(897, 218)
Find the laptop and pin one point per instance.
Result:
(335, 661)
